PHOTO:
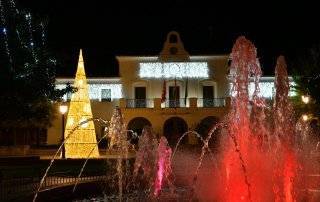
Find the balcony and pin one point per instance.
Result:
(139, 103)
(212, 102)
(177, 103)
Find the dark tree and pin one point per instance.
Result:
(27, 76)
(306, 74)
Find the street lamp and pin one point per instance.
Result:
(63, 109)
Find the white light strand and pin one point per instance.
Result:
(174, 70)
(95, 90)
(42, 33)
(267, 89)
(28, 19)
(3, 22)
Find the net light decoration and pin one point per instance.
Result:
(83, 140)
(173, 70)
(95, 90)
(267, 89)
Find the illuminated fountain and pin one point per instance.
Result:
(146, 158)
(70, 135)
(261, 154)
(259, 161)
(119, 145)
(163, 167)
(152, 168)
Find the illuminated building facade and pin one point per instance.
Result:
(173, 92)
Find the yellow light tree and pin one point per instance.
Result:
(83, 140)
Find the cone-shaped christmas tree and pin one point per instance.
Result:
(83, 140)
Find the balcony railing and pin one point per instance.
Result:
(212, 102)
(175, 103)
(139, 103)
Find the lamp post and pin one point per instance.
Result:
(63, 109)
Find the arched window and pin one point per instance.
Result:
(173, 38)
(173, 50)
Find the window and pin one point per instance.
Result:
(106, 95)
(173, 38)
(174, 96)
(208, 96)
(69, 94)
(173, 50)
(273, 92)
(140, 97)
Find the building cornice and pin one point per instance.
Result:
(156, 58)
(62, 80)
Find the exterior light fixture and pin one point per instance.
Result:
(63, 109)
(305, 99)
(305, 117)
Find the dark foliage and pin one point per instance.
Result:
(27, 71)
(306, 74)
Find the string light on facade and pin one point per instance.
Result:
(267, 89)
(174, 70)
(95, 90)
(82, 140)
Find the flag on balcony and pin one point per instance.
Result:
(164, 91)
(186, 93)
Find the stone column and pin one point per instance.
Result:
(193, 102)
(228, 102)
(122, 103)
(157, 103)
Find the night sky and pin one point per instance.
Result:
(105, 29)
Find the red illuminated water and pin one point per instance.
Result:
(163, 165)
(259, 159)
